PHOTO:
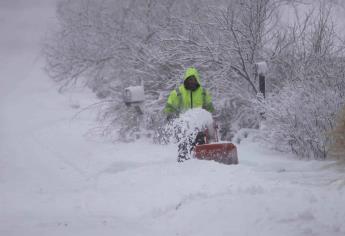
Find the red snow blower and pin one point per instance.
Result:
(208, 147)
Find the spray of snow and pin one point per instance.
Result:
(185, 128)
(196, 118)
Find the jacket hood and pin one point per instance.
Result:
(192, 71)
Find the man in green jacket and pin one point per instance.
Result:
(189, 95)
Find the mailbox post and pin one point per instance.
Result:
(261, 71)
(134, 99)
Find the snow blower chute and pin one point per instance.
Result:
(208, 147)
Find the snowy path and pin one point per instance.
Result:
(55, 180)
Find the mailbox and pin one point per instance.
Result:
(261, 68)
(134, 94)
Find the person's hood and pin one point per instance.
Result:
(192, 71)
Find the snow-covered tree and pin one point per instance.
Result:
(114, 44)
(302, 111)
(111, 45)
(224, 41)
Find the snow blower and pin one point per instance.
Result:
(208, 147)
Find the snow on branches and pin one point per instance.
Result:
(111, 45)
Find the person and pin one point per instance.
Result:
(187, 96)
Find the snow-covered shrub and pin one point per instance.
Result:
(236, 111)
(225, 41)
(121, 122)
(111, 45)
(309, 88)
(117, 121)
(300, 117)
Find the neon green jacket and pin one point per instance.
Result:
(183, 99)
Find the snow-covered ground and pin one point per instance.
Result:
(58, 179)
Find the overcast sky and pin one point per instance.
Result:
(23, 22)
(22, 26)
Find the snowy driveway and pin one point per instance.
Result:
(58, 179)
(55, 180)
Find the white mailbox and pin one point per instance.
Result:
(134, 94)
(261, 68)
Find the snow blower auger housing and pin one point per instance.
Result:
(207, 149)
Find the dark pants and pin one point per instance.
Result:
(186, 146)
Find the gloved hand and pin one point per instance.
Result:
(171, 117)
